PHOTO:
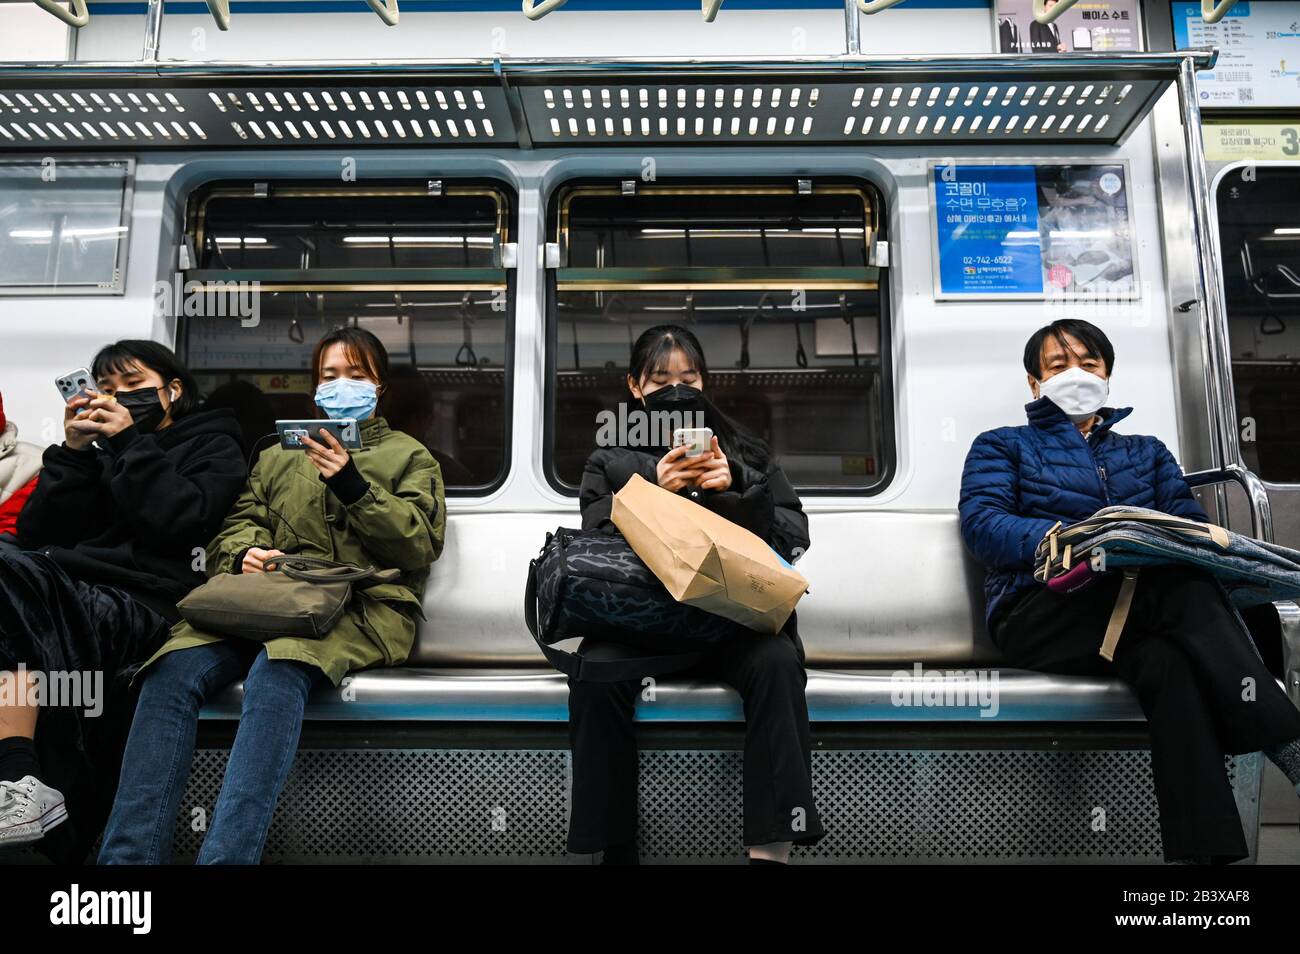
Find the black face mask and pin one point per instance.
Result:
(145, 406)
(674, 397)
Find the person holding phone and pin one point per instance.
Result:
(380, 506)
(737, 478)
(106, 545)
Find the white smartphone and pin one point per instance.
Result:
(76, 384)
(698, 440)
(345, 431)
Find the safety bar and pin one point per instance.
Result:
(1212, 12)
(1261, 512)
(77, 17)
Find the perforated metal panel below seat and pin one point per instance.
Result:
(897, 806)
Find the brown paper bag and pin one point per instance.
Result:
(706, 560)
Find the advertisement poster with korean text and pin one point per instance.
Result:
(1090, 26)
(1033, 232)
(1259, 52)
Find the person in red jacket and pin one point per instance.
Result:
(20, 462)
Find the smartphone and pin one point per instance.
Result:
(698, 440)
(76, 384)
(345, 431)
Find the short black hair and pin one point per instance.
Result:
(120, 356)
(1092, 338)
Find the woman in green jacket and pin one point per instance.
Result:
(379, 506)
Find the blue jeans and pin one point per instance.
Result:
(156, 765)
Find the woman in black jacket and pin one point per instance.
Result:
(738, 480)
(111, 538)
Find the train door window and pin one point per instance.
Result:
(774, 281)
(420, 267)
(64, 226)
(1259, 228)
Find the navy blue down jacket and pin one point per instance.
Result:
(1018, 481)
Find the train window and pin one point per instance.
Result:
(420, 267)
(1259, 228)
(773, 279)
(64, 226)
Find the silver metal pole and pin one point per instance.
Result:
(152, 30)
(1223, 449)
(852, 29)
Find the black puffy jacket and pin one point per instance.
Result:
(762, 501)
(135, 512)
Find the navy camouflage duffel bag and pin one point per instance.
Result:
(590, 583)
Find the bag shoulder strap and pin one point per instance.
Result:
(1119, 615)
(579, 669)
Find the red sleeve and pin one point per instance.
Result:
(9, 509)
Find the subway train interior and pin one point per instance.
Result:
(507, 198)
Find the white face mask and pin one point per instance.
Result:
(1078, 393)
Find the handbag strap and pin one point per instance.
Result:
(299, 566)
(580, 669)
(1119, 615)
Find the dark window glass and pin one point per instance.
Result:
(446, 329)
(1259, 223)
(773, 283)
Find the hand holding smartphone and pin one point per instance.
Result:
(696, 440)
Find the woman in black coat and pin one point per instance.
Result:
(739, 480)
(110, 539)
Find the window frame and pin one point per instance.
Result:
(1216, 184)
(118, 285)
(876, 228)
(347, 280)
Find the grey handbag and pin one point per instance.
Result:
(299, 595)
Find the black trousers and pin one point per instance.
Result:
(52, 623)
(767, 673)
(1197, 676)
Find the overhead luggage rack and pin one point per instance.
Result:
(1069, 98)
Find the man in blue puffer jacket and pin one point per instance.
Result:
(1185, 652)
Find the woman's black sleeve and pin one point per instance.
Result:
(71, 501)
(603, 476)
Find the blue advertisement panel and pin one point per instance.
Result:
(1033, 231)
(1259, 52)
(988, 240)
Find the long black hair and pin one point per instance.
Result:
(120, 356)
(652, 352)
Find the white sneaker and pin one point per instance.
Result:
(28, 809)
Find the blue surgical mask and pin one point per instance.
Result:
(347, 397)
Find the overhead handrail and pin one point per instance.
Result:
(1213, 12)
(1044, 15)
(537, 11)
(387, 10)
(77, 17)
(875, 6)
(709, 8)
(220, 10)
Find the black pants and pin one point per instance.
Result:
(52, 623)
(767, 673)
(1203, 687)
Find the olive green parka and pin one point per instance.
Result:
(398, 523)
